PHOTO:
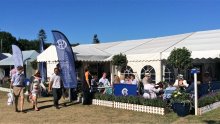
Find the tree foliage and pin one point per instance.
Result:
(42, 35)
(24, 44)
(180, 58)
(119, 60)
(7, 40)
(95, 39)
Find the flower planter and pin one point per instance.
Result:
(208, 108)
(181, 109)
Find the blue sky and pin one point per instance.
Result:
(112, 20)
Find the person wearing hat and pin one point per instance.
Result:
(149, 88)
(17, 82)
(180, 82)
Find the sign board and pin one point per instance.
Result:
(125, 90)
(195, 70)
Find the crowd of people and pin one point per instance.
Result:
(34, 86)
(90, 84)
(146, 87)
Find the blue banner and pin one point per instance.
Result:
(66, 60)
(17, 56)
(125, 90)
(43, 65)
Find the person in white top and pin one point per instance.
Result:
(180, 82)
(133, 80)
(104, 81)
(55, 86)
(149, 88)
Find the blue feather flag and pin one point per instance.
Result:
(42, 65)
(66, 59)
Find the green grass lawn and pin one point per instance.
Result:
(78, 113)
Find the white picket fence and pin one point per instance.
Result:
(208, 108)
(4, 89)
(128, 106)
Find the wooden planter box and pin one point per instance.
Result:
(102, 103)
(208, 108)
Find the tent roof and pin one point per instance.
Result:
(82, 53)
(202, 44)
(2, 56)
(7, 54)
(29, 55)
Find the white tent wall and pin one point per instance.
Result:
(50, 68)
(137, 67)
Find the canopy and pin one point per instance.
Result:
(29, 55)
(2, 56)
(202, 44)
(82, 53)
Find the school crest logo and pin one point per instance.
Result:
(124, 91)
(61, 44)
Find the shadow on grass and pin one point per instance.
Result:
(70, 103)
(65, 104)
(212, 122)
(44, 101)
(41, 107)
(46, 106)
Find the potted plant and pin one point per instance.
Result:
(180, 59)
(181, 102)
(119, 61)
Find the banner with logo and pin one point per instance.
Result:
(17, 56)
(42, 65)
(66, 59)
(125, 90)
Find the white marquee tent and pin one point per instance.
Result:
(202, 44)
(28, 56)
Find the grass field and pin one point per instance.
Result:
(78, 113)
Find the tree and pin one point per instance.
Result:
(95, 39)
(119, 60)
(25, 44)
(6, 40)
(180, 59)
(42, 35)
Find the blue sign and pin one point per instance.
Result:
(195, 70)
(125, 90)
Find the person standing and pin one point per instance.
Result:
(55, 86)
(86, 88)
(17, 82)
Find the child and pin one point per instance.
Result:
(35, 89)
